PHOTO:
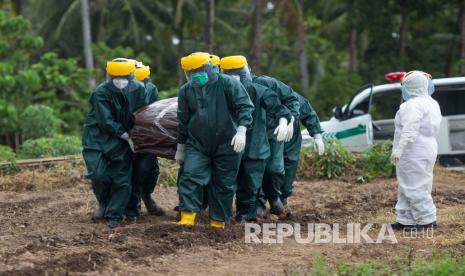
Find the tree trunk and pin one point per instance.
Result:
(8, 140)
(17, 142)
(255, 48)
(301, 37)
(18, 6)
(100, 6)
(180, 72)
(462, 35)
(403, 35)
(210, 25)
(451, 58)
(353, 50)
(89, 60)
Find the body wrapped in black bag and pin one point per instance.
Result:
(155, 127)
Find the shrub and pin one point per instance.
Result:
(49, 147)
(376, 163)
(7, 154)
(38, 121)
(330, 165)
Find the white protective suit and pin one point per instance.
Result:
(415, 150)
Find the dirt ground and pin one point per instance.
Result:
(47, 230)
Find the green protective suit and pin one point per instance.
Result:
(274, 172)
(108, 157)
(310, 120)
(146, 169)
(208, 118)
(257, 151)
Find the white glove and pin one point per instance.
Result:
(395, 156)
(397, 152)
(290, 130)
(125, 136)
(281, 130)
(180, 153)
(238, 141)
(319, 144)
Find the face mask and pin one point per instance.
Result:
(236, 77)
(199, 78)
(120, 83)
(405, 95)
(430, 87)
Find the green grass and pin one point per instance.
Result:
(435, 265)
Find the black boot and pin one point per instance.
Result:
(400, 226)
(151, 206)
(277, 207)
(260, 213)
(99, 212)
(112, 224)
(432, 225)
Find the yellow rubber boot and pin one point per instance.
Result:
(187, 218)
(217, 224)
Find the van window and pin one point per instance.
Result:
(451, 99)
(384, 105)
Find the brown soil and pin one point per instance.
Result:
(48, 230)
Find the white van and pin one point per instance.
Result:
(370, 113)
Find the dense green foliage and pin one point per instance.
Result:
(376, 163)
(29, 76)
(328, 166)
(38, 121)
(49, 147)
(7, 154)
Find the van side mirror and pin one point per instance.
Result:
(337, 112)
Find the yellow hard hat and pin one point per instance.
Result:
(233, 62)
(120, 67)
(194, 61)
(215, 60)
(142, 72)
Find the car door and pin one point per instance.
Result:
(383, 109)
(354, 128)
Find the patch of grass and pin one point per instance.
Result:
(328, 166)
(59, 145)
(168, 172)
(44, 178)
(318, 267)
(435, 265)
(8, 155)
(375, 163)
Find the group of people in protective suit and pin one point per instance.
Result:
(238, 134)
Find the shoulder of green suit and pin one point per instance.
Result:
(261, 90)
(136, 85)
(264, 80)
(185, 86)
(228, 80)
(302, 99)
(102, 91)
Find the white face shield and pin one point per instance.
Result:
(120, 83)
